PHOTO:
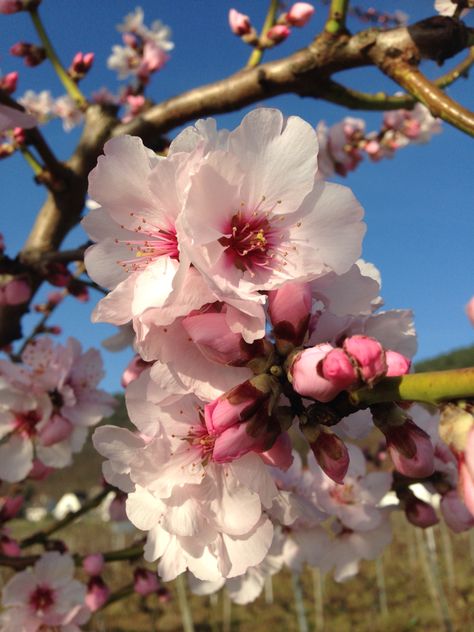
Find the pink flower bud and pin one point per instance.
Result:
(305, 376)
(10, 6)
(235, 441)
(16, 292)
(290, 309)
(338, 369)
(419, 513)
(397, 364)
(10, 507)
(470, 310)
(9, 547)
(117, 510)
(455, 513)
(78, 290)
(332, 455)
(239, 23)
(8, 82)
(237, 405)
(469, 452)
(369, 355)
(411, 449)
(93, 564)
(278, 33)
(19, 135)
(57, 429)
(39, 471)
(372, 147)
(97, 593)
(54, 298)
(280, 454)
(134, 369)
(145, 582)
(300, 13)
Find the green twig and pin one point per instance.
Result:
(356, 100)
(31, 160)
(257, 54)
(432, 388)
(336, 21)
(69, 84)
(460, 70)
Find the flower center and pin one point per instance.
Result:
(42, 598)
(250, 241)
(343, 494)
(153, 242)
(25, 423)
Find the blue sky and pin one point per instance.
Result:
(418, 205)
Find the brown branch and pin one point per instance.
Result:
(305, 73)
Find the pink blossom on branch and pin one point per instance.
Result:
(239, 23)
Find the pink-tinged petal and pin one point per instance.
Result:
(16, 459)
(97, 594)
(270, 148)
(411, 449)
(419, 513)
(338, 369)
(466, 485)
(280, 454)
(252, 473)
(331, 230)
(11, 117)
(239, 23)
(143, 510)
(119, 181)
(115, 308)
(289, 309)
(234, 442)
(103, 262)
(469, 453)
(394, 329)
(17, 591)
(54, 569)
(214, 338)
(237, 509)
(57, 429)
(173, 561)
(250, 549)
(455, 513)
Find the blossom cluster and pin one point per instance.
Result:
(344, 145)
(47, 403)
(237, 269)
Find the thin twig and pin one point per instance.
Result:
(257, 54)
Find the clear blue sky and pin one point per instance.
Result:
(418, 205)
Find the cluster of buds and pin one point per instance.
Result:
(381, 18)
(32, 54)
(80, 65)
(298, 15)
(97, 590)
(323, 371)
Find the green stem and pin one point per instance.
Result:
(432, 388)
(337, 16)
(66, 80)
(31, 160)
(460, 70)
(257, 54)
(121, 593)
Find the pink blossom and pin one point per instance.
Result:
(66, 109)
(305, 375)
(300, 13)
(93, 564)
(46, 595)
(40, 105)
(239, 23)
(278, 33)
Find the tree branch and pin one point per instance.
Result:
(337, 16)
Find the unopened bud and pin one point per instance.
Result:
(8, 82)
(277, 33)
(239, 23)
(300, 14)
(369, 355)
(331, 454)
(419, 513)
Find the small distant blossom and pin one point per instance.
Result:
(40, 105)
(66, 109)
(45, 596)
(103, 96)
(135, 104)
(470, 310)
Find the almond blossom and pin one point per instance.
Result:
(45, 596)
